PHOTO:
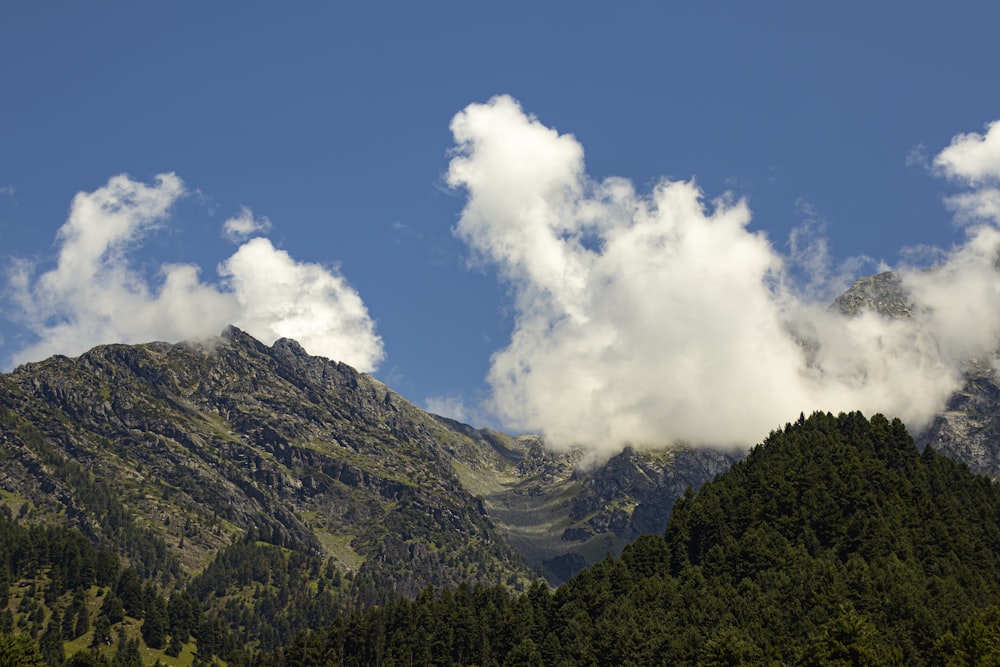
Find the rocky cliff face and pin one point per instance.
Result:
(969, 427)
(167, 453)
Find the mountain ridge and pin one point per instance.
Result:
(204, 440)
(244, 429)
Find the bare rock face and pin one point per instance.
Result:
(969, 428)
(562, 516)
(650, 482)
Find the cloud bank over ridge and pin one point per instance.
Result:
(95, 295)
(641, 318)
(648, 318)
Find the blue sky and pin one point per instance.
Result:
(326, 129)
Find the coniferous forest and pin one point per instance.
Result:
(834, 542)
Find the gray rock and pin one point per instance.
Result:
(882, 293)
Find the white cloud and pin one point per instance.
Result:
(461, 408)
(917, 157)
(313, 304)
(958, 299)
(652, 318)
(972, 157)
(979, 205)
(244, 226)
(94, 295)
(809, 259)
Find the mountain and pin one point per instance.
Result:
(232, 494)
(168, 453)
(834, 542)
(148, 447)
(969, 427)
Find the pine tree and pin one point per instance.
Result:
(50, 643)
(129, 590)
(154, 627)
(127, 654)
(82, 622)
(102, 632)
(175, 646)
(68, 624)
(112, 608)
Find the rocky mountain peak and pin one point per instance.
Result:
(205, 440)
(289, 348)
(882, 293)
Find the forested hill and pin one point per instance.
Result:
(835, 542)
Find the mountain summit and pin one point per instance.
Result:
(198, 443)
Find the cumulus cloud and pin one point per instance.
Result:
(282, 298)
(95, 295)
(974, 160)
(650, 318)
(244, 225)
(976, 206)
